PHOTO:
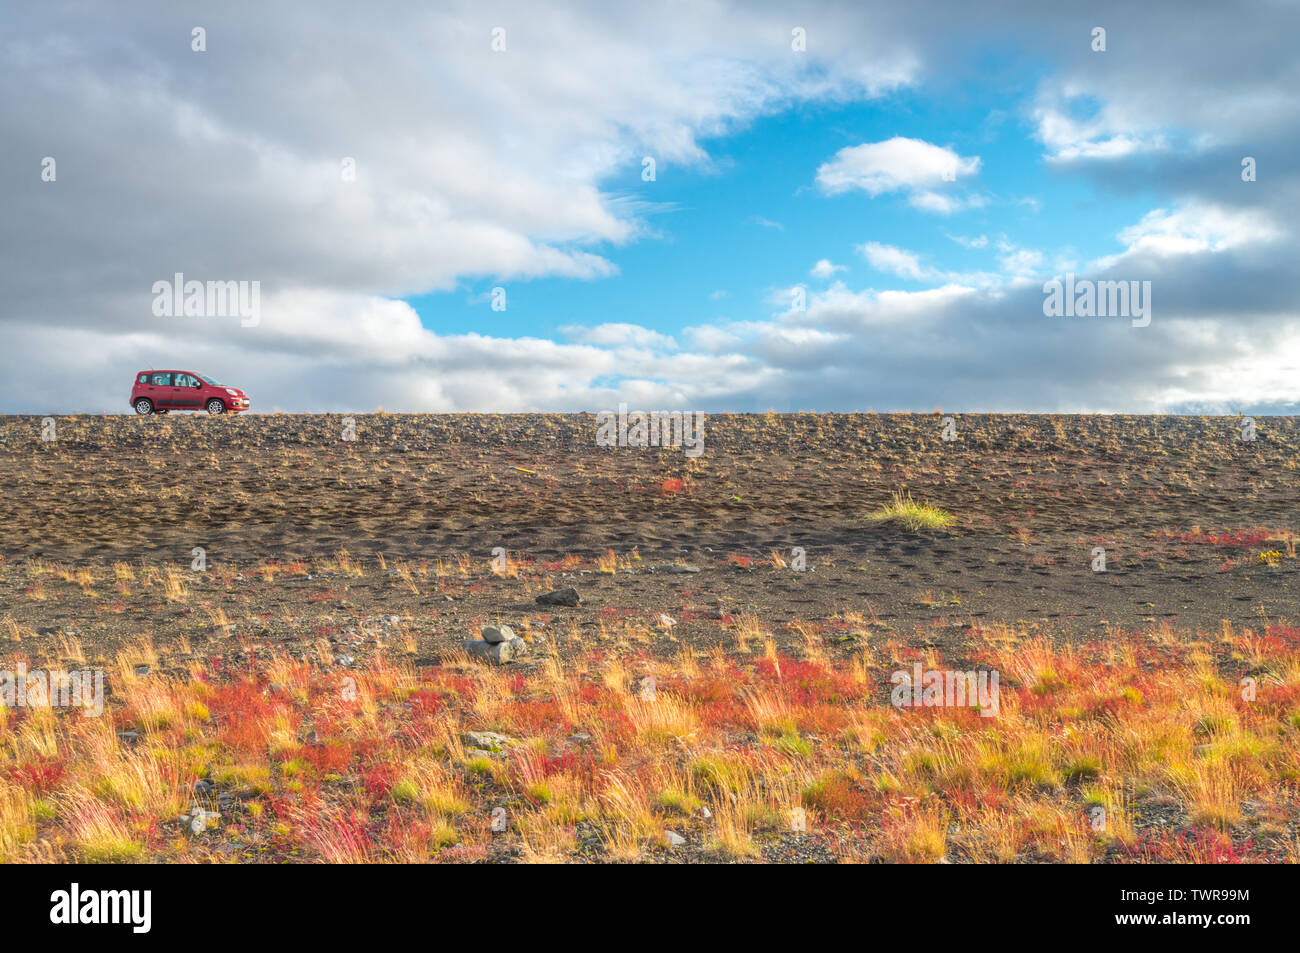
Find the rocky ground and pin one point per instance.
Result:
(196, 546)
(1186, 512)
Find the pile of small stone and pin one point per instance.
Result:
(498, 644)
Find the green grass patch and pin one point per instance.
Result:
(905, 511)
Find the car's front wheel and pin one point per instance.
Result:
(144, 406)
(216, 406)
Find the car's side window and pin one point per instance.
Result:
(143, 379)
(161, 380)
(183, 380)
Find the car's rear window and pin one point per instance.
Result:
(142, 379)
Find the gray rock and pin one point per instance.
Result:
(560, 597)
(498, 653)
(487, 740)
(674, 839)
(200, 820)
(675, 568)
(497, 633)
(477, 648)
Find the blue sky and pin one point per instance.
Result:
(723, 237)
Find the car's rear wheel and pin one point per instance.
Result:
(216, 406)
(144, 406)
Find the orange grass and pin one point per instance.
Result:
(1141, 747)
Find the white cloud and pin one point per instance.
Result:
(940, 203)
(894, 261)
(1193, 228)
(619, 335)
(1019, 262)
(839, 308)
(1200, 226)
(825, 269)
(1109, 132)
(900, 165)
(905, 264)
(713, 338)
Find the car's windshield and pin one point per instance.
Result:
(209, 380)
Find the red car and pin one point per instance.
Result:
(156, 392)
